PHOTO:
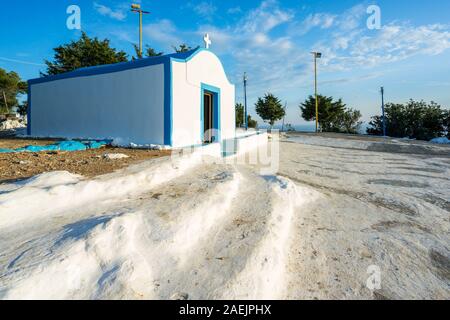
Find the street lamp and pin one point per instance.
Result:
(137, 8)
(245, 101)
(317, 55)
(382, 110)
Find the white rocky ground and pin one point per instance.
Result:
(12, 124)
(184, 229)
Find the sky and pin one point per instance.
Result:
(408, 53)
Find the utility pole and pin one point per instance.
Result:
(284, 117)
(245, 101)
(317, 55)
(382, 110)
(137, 8)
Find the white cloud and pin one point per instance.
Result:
(266, 17)
(394, 42)
(321, 20)
(204, 9)
(118, 14)
(164, 32)
(352, 18)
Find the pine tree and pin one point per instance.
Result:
(270, 109)
(85, 52)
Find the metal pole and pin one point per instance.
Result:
(140, 33)
(382, 110)
(245, 101)
(137, 9)
(315, 88)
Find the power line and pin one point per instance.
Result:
(23, 62)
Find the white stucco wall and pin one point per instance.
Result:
(128, 104)
(204, 68)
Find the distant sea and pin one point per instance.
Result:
(299, 127)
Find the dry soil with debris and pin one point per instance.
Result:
(90, 163)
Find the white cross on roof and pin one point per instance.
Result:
(207, 41)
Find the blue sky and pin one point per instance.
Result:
(271, 40)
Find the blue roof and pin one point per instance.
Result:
(110, 68)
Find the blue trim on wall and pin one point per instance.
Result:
(29, 111)
(168, 103)
(216, 112)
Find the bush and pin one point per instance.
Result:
(414, 120)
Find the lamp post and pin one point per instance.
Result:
(137, 8)
(382, 110)
(245, 101)
(317, 55)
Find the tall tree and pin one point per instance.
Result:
(149, 52)
(85, 52)
(330, 112)
(415, 119)
(270, 109)
(10, 87)
(239, 115)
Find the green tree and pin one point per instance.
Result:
(149, 52)
(350, 121)
(395, 121)
(182, 48)
(270, 109)
(331, 113)
(10, 87)
(415, 120)
(239, 115)
(85, 52)
(252, 123)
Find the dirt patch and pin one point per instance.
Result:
(90, 163)
(21, 143)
